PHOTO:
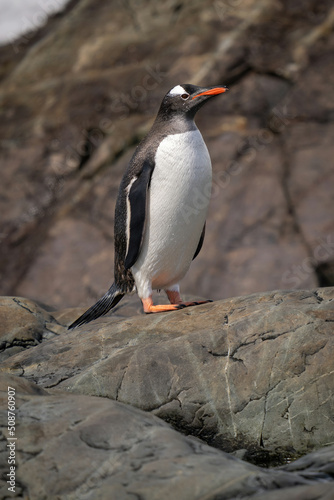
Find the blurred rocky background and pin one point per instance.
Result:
(77, 96)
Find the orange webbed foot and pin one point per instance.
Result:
(195, 303)
(149, 307)
(175, 298)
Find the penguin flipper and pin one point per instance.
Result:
(102, 306)
(137, 198)
(200, 243)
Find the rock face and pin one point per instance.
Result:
(77, 97)
(71, 447)
(253, 373)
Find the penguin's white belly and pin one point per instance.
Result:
(178, 200)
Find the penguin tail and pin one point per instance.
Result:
(102, 306)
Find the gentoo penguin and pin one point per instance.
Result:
(161, 206)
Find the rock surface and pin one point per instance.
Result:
(23, 324)
(77, 97)
(71, 447)
(253, 373)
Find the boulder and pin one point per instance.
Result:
(253, 373)
(73, 446)
(23, 323)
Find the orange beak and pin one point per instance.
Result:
(216, 90)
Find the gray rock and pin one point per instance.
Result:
(310, 492)
(253, 372)
(23, 324)
(319, 461)
(81, 447)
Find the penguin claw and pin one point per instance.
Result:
(195, 303)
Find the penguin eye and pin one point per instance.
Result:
(184, 96)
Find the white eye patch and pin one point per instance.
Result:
(178, 90)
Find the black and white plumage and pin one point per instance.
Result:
(161, 206)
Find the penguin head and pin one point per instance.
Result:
(187, 99)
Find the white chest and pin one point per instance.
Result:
(182, 171)
(178, 199)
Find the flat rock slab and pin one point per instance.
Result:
(253, 373)
(73, 446)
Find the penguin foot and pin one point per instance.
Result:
(175, 298)
(197, 303)
(150, 308)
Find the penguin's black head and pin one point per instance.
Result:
(187, 99)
